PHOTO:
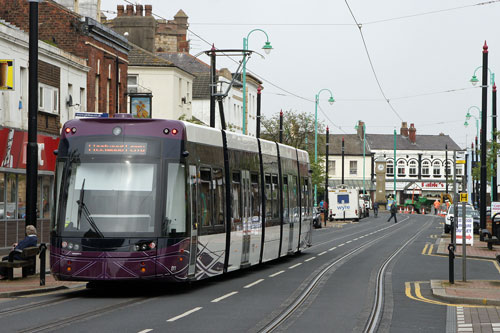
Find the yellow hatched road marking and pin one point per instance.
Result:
(425, 249)
(430, 249)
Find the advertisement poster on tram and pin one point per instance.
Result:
(469, 229)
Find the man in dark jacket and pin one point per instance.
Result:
(393, 213)
(29, 241)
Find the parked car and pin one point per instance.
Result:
(470, 212)
(316, 218)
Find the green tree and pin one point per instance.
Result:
(298, 132)
(491, 160)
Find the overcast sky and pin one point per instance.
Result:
(418, 59)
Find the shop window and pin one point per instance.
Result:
(11, 211)
(48, 98)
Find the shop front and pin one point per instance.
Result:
(13, 144)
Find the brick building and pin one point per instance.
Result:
(106, 51)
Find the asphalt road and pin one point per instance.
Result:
(247, 301)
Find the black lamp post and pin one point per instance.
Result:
(343, 160)
(326, 168)
(446, 166)
(32, 148)
(281, 126)
(484, 123)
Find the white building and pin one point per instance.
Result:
(419, 166)
(68, 77)
(169, 86)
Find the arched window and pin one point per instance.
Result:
(436, 169)
(401, 168)
(390, 168)
(426, 168)
(413, 169)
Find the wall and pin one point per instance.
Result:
(56, 68)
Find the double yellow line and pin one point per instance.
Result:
(428, 249)
(415, 287)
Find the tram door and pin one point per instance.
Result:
(246, 216)
(193, 204)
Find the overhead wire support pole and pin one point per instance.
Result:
(484, 123)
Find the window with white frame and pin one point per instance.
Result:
(132, 83)
(353, 167)
(48, 98)
(426, 168)
(449, 168)
(390, 168)
(401, 168)
(436, 169)
(412, 170)
(331, 168)
(460, 170)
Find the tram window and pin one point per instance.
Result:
(59, 174)
(236, 196)
(218, 181)
(205, 197)
(46, 199)
(293, 197)
(269, 198)
(305, 196)
(285, 197)
(254, 179)
(175, 212)
(276, 213)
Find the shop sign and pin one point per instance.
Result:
(13, 145)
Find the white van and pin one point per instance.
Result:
(344, 203)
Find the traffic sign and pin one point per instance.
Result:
(464, 197)
(469, 238)
(460, 157)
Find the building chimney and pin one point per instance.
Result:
(404, 129)
(130, 10)
(138, 10)
(119, 10)
(149, 10)
(360, 129)
(413, 134)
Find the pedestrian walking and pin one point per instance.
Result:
(325, 208)
(393, 213)
(436, 206)
(375, 209)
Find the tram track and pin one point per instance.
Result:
(63, 322)
(377, 308)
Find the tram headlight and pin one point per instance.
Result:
(175, 131)
(64, 244)
(70, 246)
(166, 131)
(137, 247)
(144, 247)
(152, 245)
(76, 247)
(117, 130)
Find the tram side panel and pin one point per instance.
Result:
(306, 201)
(272, 197)
(208, 209)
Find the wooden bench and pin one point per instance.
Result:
(28, 263)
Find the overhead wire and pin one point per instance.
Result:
(371, 63)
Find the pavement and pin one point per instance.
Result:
(31, 285)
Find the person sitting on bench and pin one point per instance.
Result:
(29, 241)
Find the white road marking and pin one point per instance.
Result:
(253, 283)
(146, 330)
(223, 297)
(320, 254)
(341, 245)
(187, 313)
(348, 242)
(310, 259)
(333, 248)
(356, 238)
(276, 274)
(296, 265)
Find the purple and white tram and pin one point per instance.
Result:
(166, 199)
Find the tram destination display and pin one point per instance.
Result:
(116, 148)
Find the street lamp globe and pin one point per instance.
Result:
(474, 80)
(466, 123)
(267, 47)
(331, 100)
(468, 116)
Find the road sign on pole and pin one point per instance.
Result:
(464, 197)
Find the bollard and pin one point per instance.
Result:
(43, 249)
(451, 258)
